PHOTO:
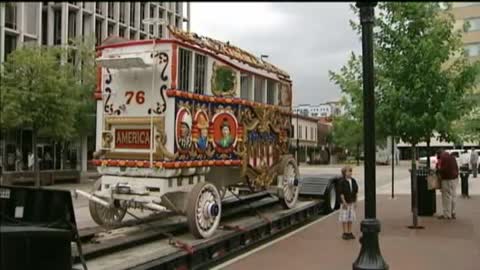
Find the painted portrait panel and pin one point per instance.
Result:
(224, 131)
(201, 122)
(183, 129)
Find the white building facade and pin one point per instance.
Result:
(54, 24)
(328, 109)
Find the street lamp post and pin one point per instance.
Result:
(155, 22)
(370, 256)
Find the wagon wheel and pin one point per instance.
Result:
(290, 185)
(106, 216)
(204, 208)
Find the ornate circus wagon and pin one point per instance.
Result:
(179, 120)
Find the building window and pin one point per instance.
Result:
(259, 89)
(306, 133)
(143, 36)
(44, 27)
(10, 44)
(300, 132)
(121, 31)
(122, 12)
(473, 24)
(270, 92)
(177, 7)
(132, 35)
(98, 8)
(184, 67)
(11, 15)
(111, 10)
(311, 133)
(98, 32)
(245, 85)
(142, 16)
(57, 27)
(132, 13)
(152, 11)
(160, 31)
(472, 49)
(72, 25)
(110, 30)
(200, 74)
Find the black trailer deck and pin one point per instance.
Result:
(245, 223)
(241, 233)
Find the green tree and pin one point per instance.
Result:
(40, 92)
(85, 72)
(425, 77)
(347, 129)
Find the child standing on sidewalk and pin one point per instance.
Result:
(348, 189)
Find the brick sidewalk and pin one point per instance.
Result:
(441, 245)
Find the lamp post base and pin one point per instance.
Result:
(370, 257)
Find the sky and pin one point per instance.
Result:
(304, 39)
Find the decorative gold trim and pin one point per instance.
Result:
(161, 151)
(134, 120)
(215, 91)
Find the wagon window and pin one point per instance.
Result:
(245, 86)
(200, 74)
(271, 92)
(185, 60)
(259, 89)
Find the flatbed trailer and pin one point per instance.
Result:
(236, 235)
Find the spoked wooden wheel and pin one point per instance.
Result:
(290, 185)
(106, 216)
(203, 210)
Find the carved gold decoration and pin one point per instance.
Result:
(161, 150)
(216, 84)
(107, 139)
(159, 125)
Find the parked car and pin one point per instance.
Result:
(458, 153)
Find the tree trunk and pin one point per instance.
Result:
(358, 154)
(428, 153)
(36, 168)
(392, 160)
(414, 186)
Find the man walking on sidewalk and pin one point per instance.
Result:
(448, 169)
(474, 162)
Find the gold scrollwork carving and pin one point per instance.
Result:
(224, 80)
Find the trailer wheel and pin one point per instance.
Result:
(331, 200)
(106, 216)
(290, 185)
(204, 209)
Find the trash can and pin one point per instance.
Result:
(464, 174)
(427, 203)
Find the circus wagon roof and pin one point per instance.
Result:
(226, 49)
